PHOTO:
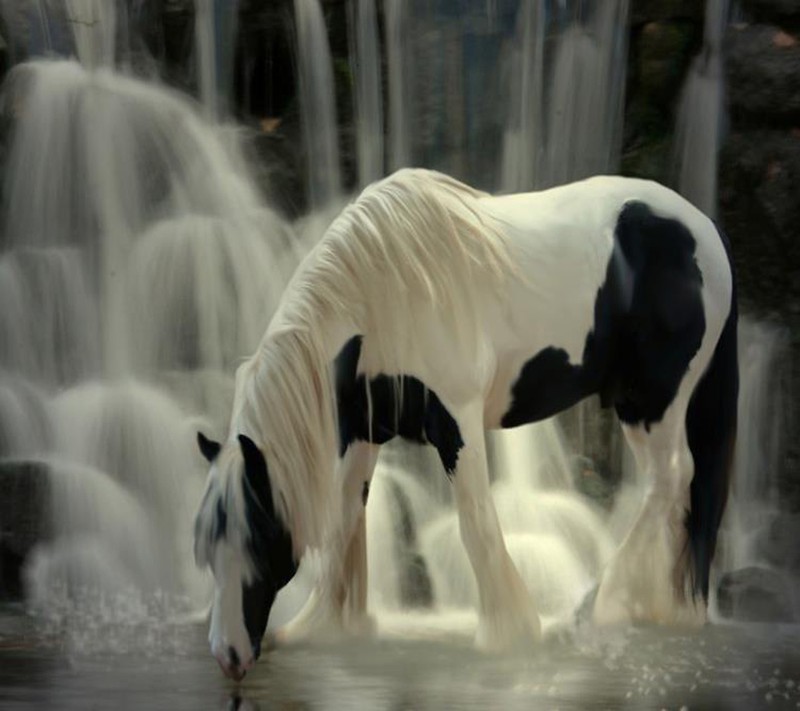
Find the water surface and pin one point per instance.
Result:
(157, 665)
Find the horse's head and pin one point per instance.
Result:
(239, 534)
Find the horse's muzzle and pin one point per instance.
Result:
(232, 666)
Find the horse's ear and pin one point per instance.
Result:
(255, 472)
(209, 448)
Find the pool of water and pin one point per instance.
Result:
(153, 664)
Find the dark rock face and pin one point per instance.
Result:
(650, 10)
(760, 205)
(779, 546)
(763, 75)
(662, 45)
(25, 519)
(782, 11)
(757, 594)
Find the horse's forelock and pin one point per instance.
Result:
(222, 514)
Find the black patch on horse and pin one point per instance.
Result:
(270, 544)
(711, 433)
(399, 406)
(648, 325)
(219, 524)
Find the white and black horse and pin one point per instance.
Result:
(433, 312)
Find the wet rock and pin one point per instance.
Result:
(661, 50)
(663, 53)
(778, 11)
(779, 545)
(650, 10)
(277, 164)
(164, 40)
(760, 207)
(763, 68)
(757, 594)
(25, 519)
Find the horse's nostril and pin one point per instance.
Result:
(233, 657)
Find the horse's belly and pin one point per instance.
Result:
(533, 389)
(539, 346)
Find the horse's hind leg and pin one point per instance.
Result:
(340, 594)
(645, 578)
(507, 612)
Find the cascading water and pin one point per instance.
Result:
(139, 266)
(94, 26)
(317, 104)
(215, 30)
(397, 60)
(566, 98)
(700, 116)
(369, 100)
(523, 140)
(760, 442)
(585, 95)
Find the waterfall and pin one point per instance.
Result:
(585, 97)
(760, 443)
(215, 32)
(317, 104)
(699, 125)
(366, 61)
(524, 133)
(139, 265)
(397, 61)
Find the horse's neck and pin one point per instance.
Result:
(330, 327)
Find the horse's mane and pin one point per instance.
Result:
(417, 239)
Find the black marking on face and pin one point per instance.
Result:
(220, 527)
(269, 543)
(648, 325)
(208, 447)
(365, 493)
(257, 599)
(207, 536)
(400, 406)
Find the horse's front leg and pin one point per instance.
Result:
(339, 596)
(508, 615)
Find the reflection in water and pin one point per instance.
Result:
(718, 667)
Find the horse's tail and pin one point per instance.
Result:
(711, 431)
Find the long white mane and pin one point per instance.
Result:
(416, 240)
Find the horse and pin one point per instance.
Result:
(432, 311)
